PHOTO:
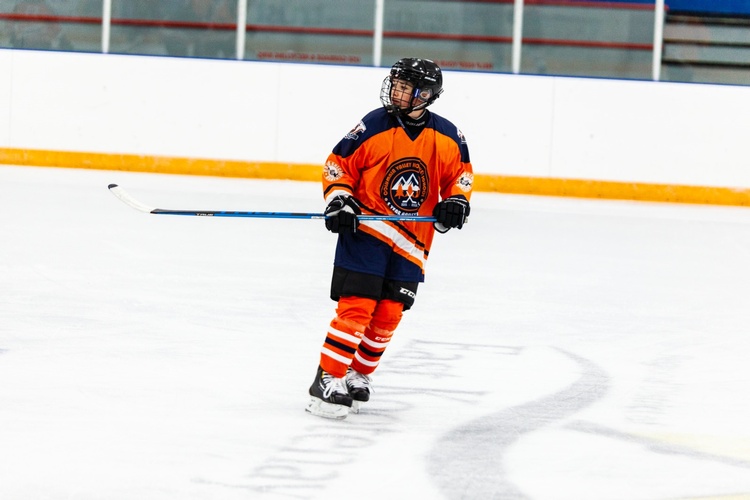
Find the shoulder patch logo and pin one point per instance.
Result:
(332, 171)
(465, 182)
(405, 185)
(461, 136)
(354, 133)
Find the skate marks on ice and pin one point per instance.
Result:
(483, 445)
(419, 387)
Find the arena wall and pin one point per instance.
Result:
(527, 134)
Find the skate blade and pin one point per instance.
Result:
(326, 410)
(356, 405)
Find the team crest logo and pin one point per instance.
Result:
(332, 171)
(354, 133)
(404, 187)
(465, 182)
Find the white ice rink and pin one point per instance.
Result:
(559, 349)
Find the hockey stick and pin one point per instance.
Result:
(124, 197)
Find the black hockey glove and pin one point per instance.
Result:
(451, 212)
(341, 214)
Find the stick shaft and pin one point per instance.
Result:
(126, 198)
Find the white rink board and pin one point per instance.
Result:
(558, 127)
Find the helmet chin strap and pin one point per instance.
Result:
(421, 114)
(409, 110)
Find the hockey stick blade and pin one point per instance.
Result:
(126, 198)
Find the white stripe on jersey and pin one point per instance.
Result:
(398, 239)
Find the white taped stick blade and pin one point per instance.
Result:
(326, 410)
(124, 197)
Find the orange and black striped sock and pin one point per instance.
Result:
(345, 334)
(340, 345)
(373, 345)
(385, 318)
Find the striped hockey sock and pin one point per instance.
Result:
(340, 346)
(368, 353)
(385, 319)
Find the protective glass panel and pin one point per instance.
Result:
(74, 25)
(472, 36)
(194, 28)
(316, 31)
(612, 40)
(704, 40)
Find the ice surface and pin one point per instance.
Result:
(559, 349)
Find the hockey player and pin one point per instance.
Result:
(400, 159)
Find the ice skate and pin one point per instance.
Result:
(359, 388)
(328, 396)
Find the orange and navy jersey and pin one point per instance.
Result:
(392, 171)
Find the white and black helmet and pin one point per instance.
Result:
(426, 77)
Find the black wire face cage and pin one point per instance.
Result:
(427, 88)
(385, 96)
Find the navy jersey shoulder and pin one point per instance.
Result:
(447, 128)
(374, 122)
